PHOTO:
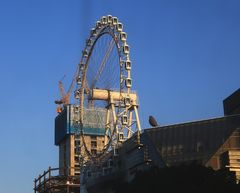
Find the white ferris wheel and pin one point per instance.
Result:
(104, 82)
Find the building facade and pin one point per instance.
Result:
(208, 142)
(68, 137)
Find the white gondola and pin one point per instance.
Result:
(76, 109)
(89, 42)
(123, 36)
(98, 24)
(79, 80)
(124, 119)
(77, 94)
(85, 53)
(93, 32)
(126, 49)
(115, 20)
(128, 65)
(81, 66)
(127, 101)
(104, 20)
(119, 27)
(109, 19)
(128, 82)
(120, 137)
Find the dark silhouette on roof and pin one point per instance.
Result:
(152, 121)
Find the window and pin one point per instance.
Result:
(77, 150)
(76, 158)
(93, 144)
(77, 142)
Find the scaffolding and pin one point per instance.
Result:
(51, 182)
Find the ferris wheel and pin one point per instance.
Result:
(104, 95)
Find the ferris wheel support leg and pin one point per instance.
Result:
(137, 118)
(138, 123)
(114, 117)
(107, 125)
(129, 124)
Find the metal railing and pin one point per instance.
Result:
(57, 180)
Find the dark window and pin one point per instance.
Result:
(93, 144)
(76, 158)
(77, 142)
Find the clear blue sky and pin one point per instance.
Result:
(185, 57)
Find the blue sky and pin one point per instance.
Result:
(185, 61)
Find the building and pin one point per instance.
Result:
(68, 136)
(214, 142)
(66, 178)
(201, 141)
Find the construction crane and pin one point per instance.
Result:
(65, 97)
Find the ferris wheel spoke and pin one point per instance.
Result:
(104, 60)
